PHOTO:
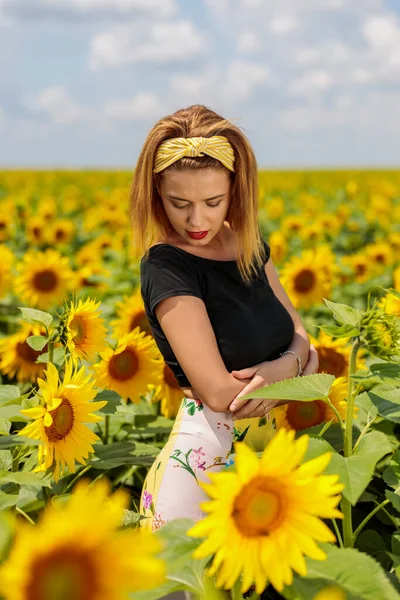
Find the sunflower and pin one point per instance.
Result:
(60, 231)
(265, 517)
(390, 304)
(35, 230)
(301, 415)
(17, 358)
(59, 420)
(7, 225)
(306, 279)
(131, 314)
(129, 368)
(78, 551)
(47, 208)
(83, 331)
(330, 592)
(44, 278)
(168, 392)
(6, 276)
(334, 355)
(278, 243)
(396, 278)
(381, 254)
(360, 265)
(93, 275)
(292, 224)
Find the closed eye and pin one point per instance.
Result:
(210, 205)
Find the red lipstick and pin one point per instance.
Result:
(197, 235)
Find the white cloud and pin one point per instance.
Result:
(314, 81)
(382, 31)
(282, 25)
(56, 106)
(142, 106)
(228, 86)
(248, 42)
(157, 43)
(62, 9)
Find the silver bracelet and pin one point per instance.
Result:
(300, 370)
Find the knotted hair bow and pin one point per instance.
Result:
(172, 150)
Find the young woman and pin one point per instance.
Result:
(213, 300)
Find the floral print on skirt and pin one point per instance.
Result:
(201, 442)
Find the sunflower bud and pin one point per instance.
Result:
(381, 333)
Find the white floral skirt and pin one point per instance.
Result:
(201, 442)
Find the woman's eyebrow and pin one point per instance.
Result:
(183, 199)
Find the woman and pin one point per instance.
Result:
(213, 300)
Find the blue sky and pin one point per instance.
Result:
(311, 82)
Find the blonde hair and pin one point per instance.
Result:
(149, 220)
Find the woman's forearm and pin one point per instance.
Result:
(301, 346)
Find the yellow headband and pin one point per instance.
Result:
(172, 150)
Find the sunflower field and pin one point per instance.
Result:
(87, 403)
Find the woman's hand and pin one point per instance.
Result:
(259, 376)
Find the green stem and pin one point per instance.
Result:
(21, 512)
(338, 534)
(106, 429)
(348, 444)
(50, 345)
(368, 518)
(75, 479)
(364, 431)
(325, 428)
(339, 418)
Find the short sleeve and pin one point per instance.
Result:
(168, 272)
(267, 251)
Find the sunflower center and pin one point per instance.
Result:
(60, 235)
(331, 362)
(170, 378)
(301, 415)
(304, 281)
(124, 365)
(28, 354)
(77, 325)
(63, 421)
(140, 320)
(361, 268)
(63, 574)
(259, 509)
(45, 281)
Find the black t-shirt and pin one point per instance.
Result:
(250, 324)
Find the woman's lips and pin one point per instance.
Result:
(197, 235)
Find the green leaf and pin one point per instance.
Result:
(21, 478)
(394, 292)
(37, 342)
(7, 500)
(386, 370)
(372, 543)
(394, 499)
(5, 426)
(113, 401)
(114, 450)
(9, 392)
(130, 518)
(32, 315)
(356, 572)
(356, 471)
(342, 331)
(9, 441)
(303, 389)
(12, 413)
(58, 357)
(387, 402)
(344, 314)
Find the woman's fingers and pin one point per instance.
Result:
(313, 362)
(253, 408)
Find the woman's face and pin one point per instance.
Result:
(196, 201)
